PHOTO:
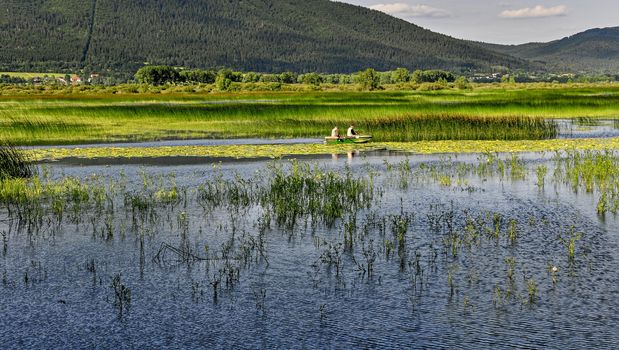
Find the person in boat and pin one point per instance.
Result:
(335, 132)
(351, 131)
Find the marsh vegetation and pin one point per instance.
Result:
(14, 163)
(369, 249)
(477, 242)
(482, 114)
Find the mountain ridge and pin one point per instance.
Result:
(261, 35)
(265, 36)
(595, 49)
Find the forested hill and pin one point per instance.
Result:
(592, 50)
(260, 35)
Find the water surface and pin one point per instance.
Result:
(293, 299)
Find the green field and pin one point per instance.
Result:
(30, 75)
(519, 112)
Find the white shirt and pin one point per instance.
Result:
(350, 132)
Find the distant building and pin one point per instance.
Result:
(75, 80)
(93, 76)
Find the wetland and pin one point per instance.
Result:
(430, 239)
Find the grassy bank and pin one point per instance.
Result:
(490, 113)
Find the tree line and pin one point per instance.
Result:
(7, 79)
(369, 79)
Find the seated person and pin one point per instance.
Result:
(335, 132)
(351, 131)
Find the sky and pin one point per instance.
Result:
(502, 21)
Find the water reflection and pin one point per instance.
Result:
(587, 128)
(350, 156)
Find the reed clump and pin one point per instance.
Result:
(14, 163)
(443, 126)
(322, 195)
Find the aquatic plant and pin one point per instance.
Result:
(532, 290)
(498, 296)
(324, 196)
(122, 295)
(512, 231)
(511, 267)
(369, 258)
(569, 240)
(332, 257)
(541, 172)
(14, 163)
(278, 151)
(554, 271)
(348, 221)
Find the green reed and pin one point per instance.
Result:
(486, 114)
(14, 163)
(324, 196)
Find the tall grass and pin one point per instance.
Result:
(499, 114)
(13, 163)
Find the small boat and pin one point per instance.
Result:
(333, 140)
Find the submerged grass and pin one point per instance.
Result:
(278, 151)
(482, 114)
(241, 215)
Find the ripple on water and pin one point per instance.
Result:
(307, 305)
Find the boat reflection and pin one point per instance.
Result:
(350, 155)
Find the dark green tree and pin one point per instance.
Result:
(157, 75)
(432, 76)
(368, 79)
(462, 83)
(269, 78)
(198, 76)
(287, 78)
(311, 79)
(224, 79)
(250, 77)
(400, 75)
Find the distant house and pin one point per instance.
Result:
(93, 76)
(75, 80)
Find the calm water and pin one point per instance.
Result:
(595, 128)
(294, 299)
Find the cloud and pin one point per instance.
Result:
(535, 12)
(406, 10)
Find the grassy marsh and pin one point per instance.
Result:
(513, 113)
(492, 246)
